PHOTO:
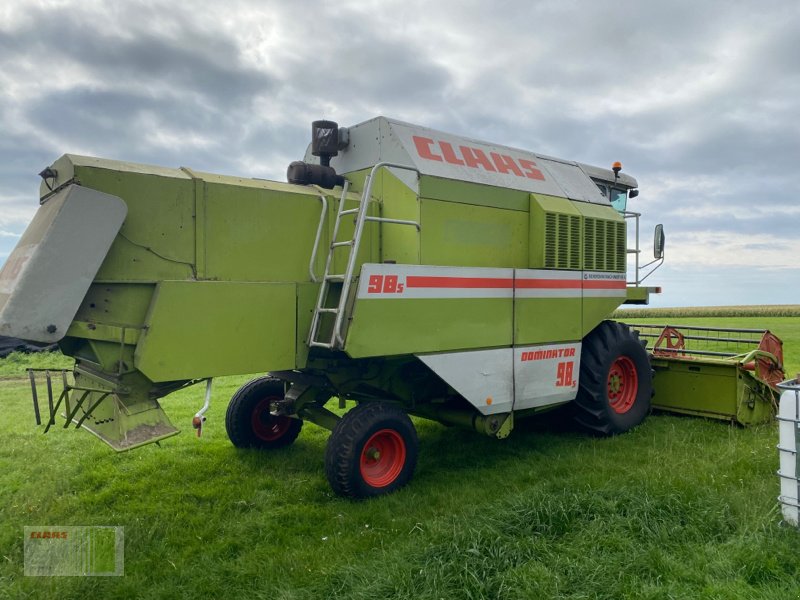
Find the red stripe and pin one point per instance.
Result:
(419, 281)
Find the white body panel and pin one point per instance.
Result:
(460, 158)
(505, 379)
(545, 375)
(45, 279)
(483, 377)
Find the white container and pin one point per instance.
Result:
(789, 428)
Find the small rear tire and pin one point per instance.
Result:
(616, 381)
(372, 451)
(249, 423)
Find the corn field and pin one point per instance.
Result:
(782, 310)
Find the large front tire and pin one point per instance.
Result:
(616, 381)
(249, 423)
(372, 451)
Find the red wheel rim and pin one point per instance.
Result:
(623, 384)
(268, 427)
(382, 458)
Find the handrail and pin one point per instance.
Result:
(637, 251)
(319, 233)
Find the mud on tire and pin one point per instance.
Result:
(616, 380)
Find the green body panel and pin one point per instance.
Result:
(123, 304)
(598, 211)
(104, 332)
(604, 238)
(110, 357)
(399, 243)
(596, 310)
(264, 223)
(473, 236)
(544, 320)
(638, 295)
(465, 192)
(204, 329)
(306, 298)
(713, 388)
(576, 235)
(566, 251)
(184, 226)
(390, 327)
(157, 240)
(127, 418)
(370, 240)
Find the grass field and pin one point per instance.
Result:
(679, 508)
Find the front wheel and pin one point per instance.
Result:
(249, 422)
(616, 381)
(372, 451)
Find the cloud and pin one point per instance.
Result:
(726, 249)
(699, 100)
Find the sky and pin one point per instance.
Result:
(699, 100)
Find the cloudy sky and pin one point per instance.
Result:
(699, 100)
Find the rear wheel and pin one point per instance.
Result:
(616, 381)
(248, 421)
(372, 451)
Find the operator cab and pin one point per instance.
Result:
(617, 196)
(615, 185)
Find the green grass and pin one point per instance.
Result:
(678, 508)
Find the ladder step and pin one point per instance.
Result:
(328, 310)
(338, 244)
(320, 344)
(334, 277)
(349, 211)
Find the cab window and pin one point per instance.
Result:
(619, 199)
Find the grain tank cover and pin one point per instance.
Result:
(46, 277)
(448, 156)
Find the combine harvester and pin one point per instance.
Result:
(401, 270)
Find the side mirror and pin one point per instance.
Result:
(633, 193)
(658, 242)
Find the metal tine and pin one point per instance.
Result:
(35, 397)
(66, 388)
(91, 408)
(78, 404)
(52, 418)
(52, 421)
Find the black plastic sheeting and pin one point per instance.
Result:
(9, 345)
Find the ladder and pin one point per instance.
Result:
(317, 337)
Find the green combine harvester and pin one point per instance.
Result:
(401, 271)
